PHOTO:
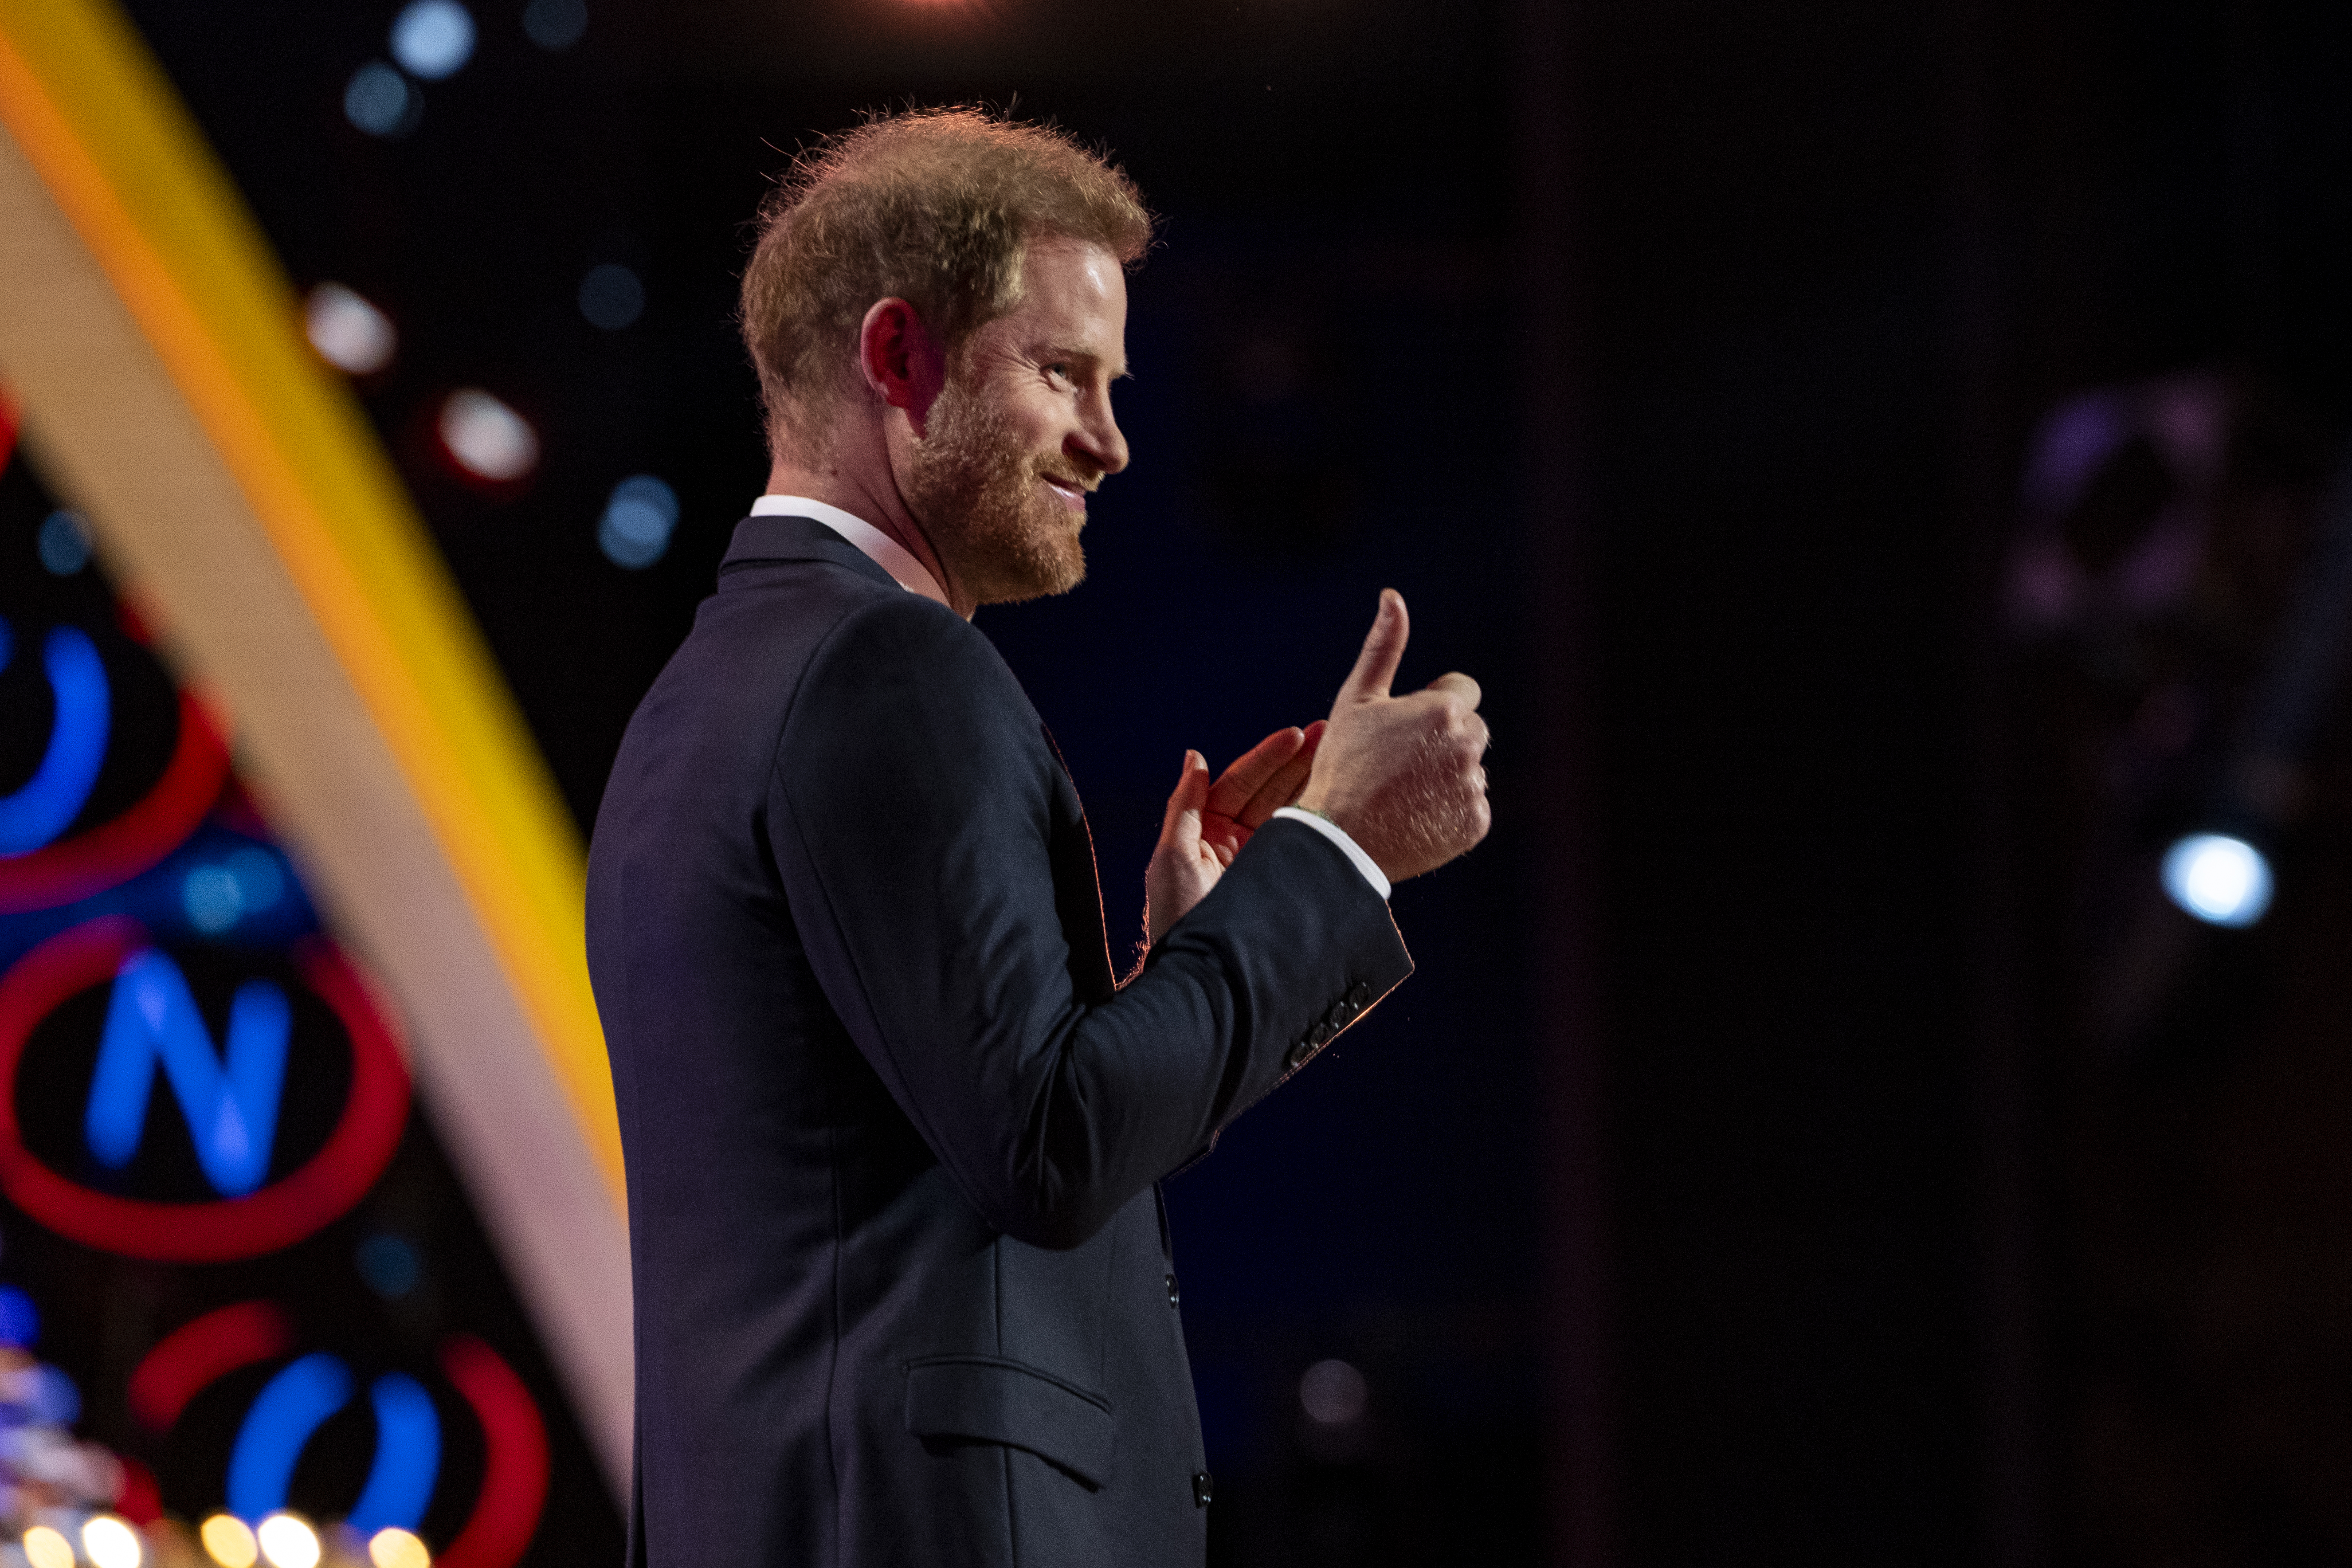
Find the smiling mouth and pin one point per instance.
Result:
(1070, 490)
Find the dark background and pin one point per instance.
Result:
(1727, 1186)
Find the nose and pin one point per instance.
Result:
(1097, 438)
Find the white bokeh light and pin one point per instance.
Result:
(349, 333)
(488, 440)
(1333, 1393)
(110, 1542)
(381, 102)
(2221, 880)
(287, 1542)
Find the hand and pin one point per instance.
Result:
(1207, 824)
(1401, 775)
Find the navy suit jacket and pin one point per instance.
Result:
(894, 1131)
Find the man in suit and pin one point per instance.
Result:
(894, 1130)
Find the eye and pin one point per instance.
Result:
(1059, 371)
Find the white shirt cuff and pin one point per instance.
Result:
(1337, 835)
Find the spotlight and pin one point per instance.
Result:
(434, 38)
(488, 440)
(349, 333)
(229, 1541)
(638, 521)
(2221, 880)
(611, 297)
(554, 24)
(379, 100)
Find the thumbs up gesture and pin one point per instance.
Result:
(1401, 775)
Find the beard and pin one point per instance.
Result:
(1001, 534)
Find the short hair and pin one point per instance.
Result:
(935, 206)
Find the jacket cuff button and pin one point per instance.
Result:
(1204, 1486)
(1299, 1052)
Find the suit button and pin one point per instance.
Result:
(1299, 1052)
(1341, 1015)
(1359, 993)
(1172, 1296)
(1319, 1032)
(1204, 1486)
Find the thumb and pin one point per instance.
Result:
(1376, 667)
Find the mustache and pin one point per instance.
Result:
(1089, 481)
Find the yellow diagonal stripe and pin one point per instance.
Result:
(96, 117)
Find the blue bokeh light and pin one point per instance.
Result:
(63, 543)
(407, 1456)
(292, 1405)
(389, 1264)
(46, 804)
(554, 24)
(611, 296)
(638, 520)
(433, 38)
(2220, 880)
(20, 1320)
(381, 102)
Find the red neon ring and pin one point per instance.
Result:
(120, 847)
(514, 1465)
(279, 1215)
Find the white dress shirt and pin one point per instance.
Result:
(910, 574)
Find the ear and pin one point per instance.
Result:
(904, 362)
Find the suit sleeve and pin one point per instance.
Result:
(910, 812)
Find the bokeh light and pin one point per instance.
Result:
(20, 1320)
(1333, 1393)
(110, 1542)
(64, 542)
(2221, 879)
(610, 296)
(488, 440)
(349, 333)
(45, 1548)
(637, 523)
(381, 102)
(395, 1548)
(434, 38)
(229, 1542)
(287, 1542)
(389, 1264)
(554, 24)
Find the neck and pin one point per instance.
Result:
(867, 490)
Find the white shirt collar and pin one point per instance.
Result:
(871, 541)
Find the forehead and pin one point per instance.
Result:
(1073, 295)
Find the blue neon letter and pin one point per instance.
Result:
(407, 1456)
(53, 796)
(292, 1405)
(232, 1112)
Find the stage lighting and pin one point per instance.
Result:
(636, 528)
(110, 1543)
(611, 297)
(379, 100)
(349, 333)
(554, 24)
(2221, 880)
(488, 440)
(1333, 1393)
(434, 38)
(395, 1548)
(287, 1542)
(229, 1541)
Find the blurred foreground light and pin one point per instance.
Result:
(381, 102)
(1333, 1393)
(2221, 880)
(637, 523)
(611, 297)
(287, 1542)
(554, 24)
(110, 1542)
(45, 1548)
(433, 38)
(488, 440)
(389, 1264)
(64, 542)
(20, 1320)
(216, 897)
(395, 1548)
(349, 333)
(228, 1543)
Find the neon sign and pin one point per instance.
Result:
(300, 1397)
(230, 1105)
(40, 865)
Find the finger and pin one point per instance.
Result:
(1376, 666)
(1181, 826)
(1238, 783)
(1281, 790)
(1454, 683)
